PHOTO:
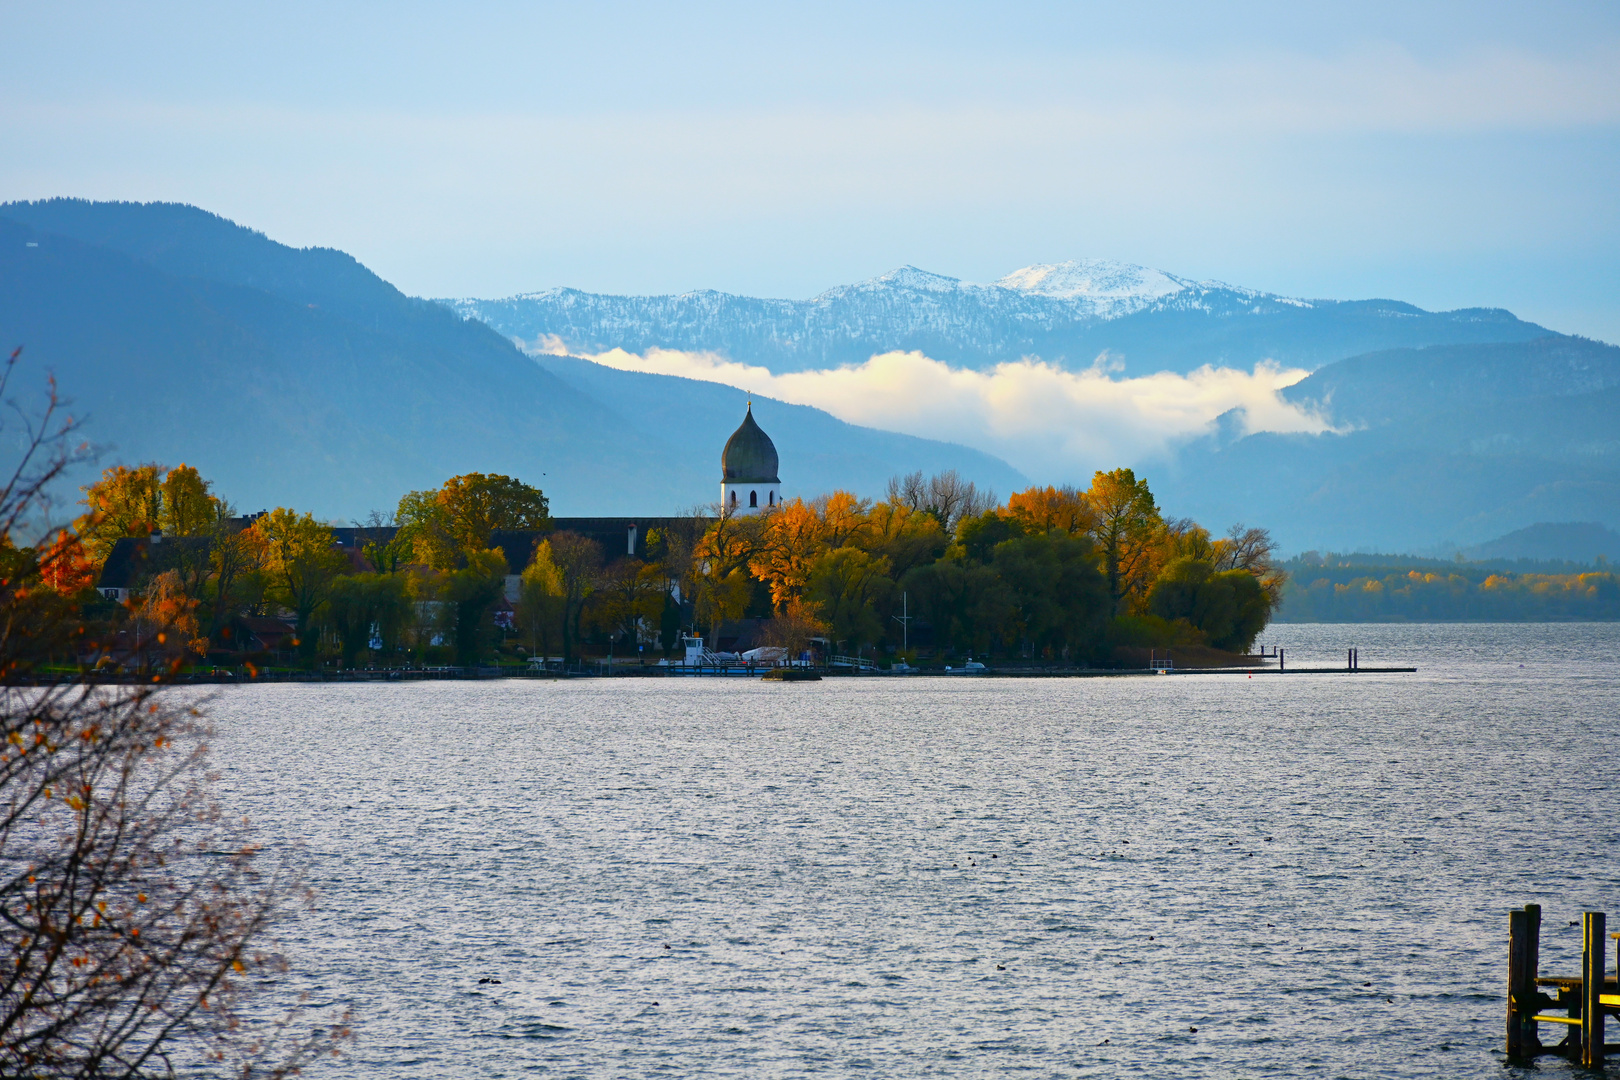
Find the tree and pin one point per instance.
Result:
(188, 509)
(65, 565)
(1229, 607)
(721, 598)
(386, 546)
(1128, 527)
(630, 598)
(124, 502)
(133, 912)
(301, 562)
(540, 600)
(789, 541)
(424, 531)
(1059, 598)
(967, 603)
(1043, 510)
(978, 536)
(850, 590)
(945, 495)
(793, 628)
(365, 604)
(907, 538)
(578, 560)
(472, 591)
(843, 518)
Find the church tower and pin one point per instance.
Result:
(748, 480)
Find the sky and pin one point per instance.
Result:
(1447, 154)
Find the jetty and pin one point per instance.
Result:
(1583, 1000)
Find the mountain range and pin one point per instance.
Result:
(1443, 447)
(298, 377)
(1068, 313)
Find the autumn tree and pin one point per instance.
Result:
(302, 563)
(1048, 509)
(907, 538)
(789, 540)
(1127, 532)
(630, 598)
(238, 558)
(188, 507)
(843, 518)
(65, 565)
(540, 600)
(135, 913)
(458, 518)
(126, 501)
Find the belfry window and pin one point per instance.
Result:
(733, 500)
(770, 498)
(753, 498)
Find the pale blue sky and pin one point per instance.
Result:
(1447, 154)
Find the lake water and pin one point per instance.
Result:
(948, 877)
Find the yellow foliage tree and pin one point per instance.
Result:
(1049, 509)
(1128, 533)
(188, 507)
(126, 501)
(789, 542)
(302, 561)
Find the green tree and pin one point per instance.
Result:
(1059, 597)
(365, 604)
(967, 603)
(850, 589)
(1230, 607)
(471, 593)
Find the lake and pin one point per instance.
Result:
(947, 876)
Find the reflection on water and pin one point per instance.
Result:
(926, 876)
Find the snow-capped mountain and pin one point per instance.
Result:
(1069, 313)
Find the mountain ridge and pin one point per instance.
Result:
(1066, 313)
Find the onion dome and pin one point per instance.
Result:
(749, 456)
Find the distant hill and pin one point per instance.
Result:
(1444, 445)
(298, 377)
(1067, 313)
(1574, 542)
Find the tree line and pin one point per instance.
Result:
(1057, 575)
(1335, 589)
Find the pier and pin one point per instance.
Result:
(1584, 1000)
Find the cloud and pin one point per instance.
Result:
(1054, 425)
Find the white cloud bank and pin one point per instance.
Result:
(1054, 425)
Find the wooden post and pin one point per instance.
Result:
(1592, 971)
(1524, 947)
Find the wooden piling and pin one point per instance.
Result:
(1524, 949)
(1593, 943)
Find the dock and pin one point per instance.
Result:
(1584, 1001)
